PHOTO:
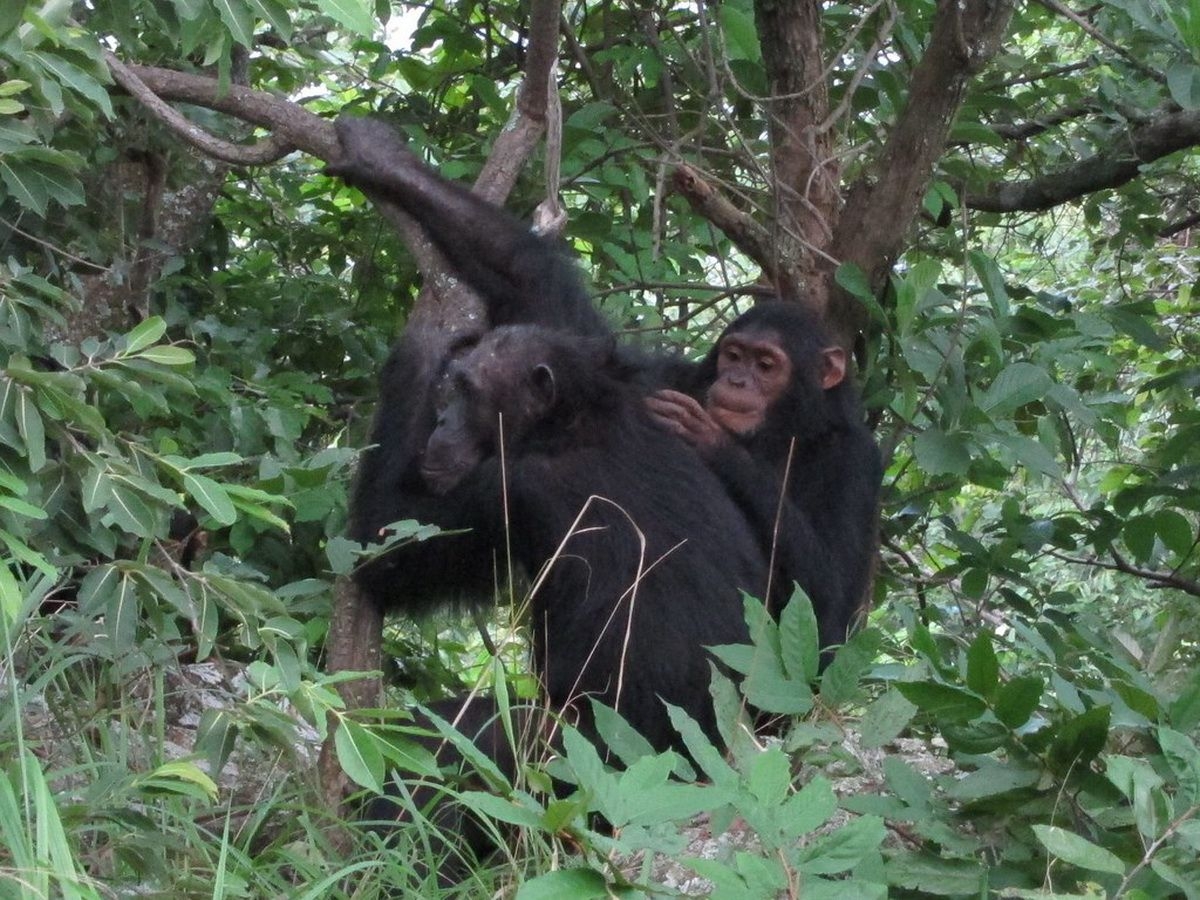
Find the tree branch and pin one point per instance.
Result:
(1182, 225)
(1099, 37)
(1120, 564)
(1163, 134)
(883, 203)
(288, 122)
(268, 151)
(1020, 131)
(749, 237)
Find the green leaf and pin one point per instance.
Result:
(993, 779)
(129, 511)
(21, 508)
(983, 668)
(993, 281)
(919, 871)
(769, 777)
(1030, 453)
(1015, 386)
(854, 280)
(1183, 757)
(1139, 534)
(1183, 81)
(1018, 700)
(1078, 851)
(215, 737)
(71, 76)
(209, 460)
(22, 552)
(25, 184)
(32, 431)
(907, 783)
(741, 34)
(353, 14)
(885, 719)
(619, 736)
(211, 496)
(503, 809)
(942, 701)
(168, 355)
(977, 737)
(145, 334)
(938, 453)
(841, 682)
(809, 808)
(798, 637)
(236, 16)
(11, 15)
(769, 688)
(1175, 531)
(565, 884)
(122, 614)
(974, 582)
(358, 755)
(843, 849)
(189, 773)
(1080, 739)
(276, 14)
(96, 588)
(590, 116)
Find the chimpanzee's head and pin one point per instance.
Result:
(517, 380)
(774, 368)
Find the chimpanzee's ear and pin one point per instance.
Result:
(833, 367)
(544, 386)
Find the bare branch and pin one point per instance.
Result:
(516, 142)
(749, 237)
(1165, 133)
(288, 121)
(1021, 131)
(1120, 564)
(1035, 77)
(1099, 37)
(267, 151)
(1182, 225)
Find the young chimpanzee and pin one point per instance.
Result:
(769, 410)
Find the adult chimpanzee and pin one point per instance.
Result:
(769, 409)
(635, 550)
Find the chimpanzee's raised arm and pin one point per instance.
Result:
(522, 277)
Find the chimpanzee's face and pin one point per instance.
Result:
(753, 371)
(501, 387)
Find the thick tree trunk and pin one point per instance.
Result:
(881, 206)
(805, 172)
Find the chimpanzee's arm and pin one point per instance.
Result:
(523, 278)
(389, 489)
(466, 565)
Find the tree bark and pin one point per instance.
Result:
(881, 205)
(804, 169)
(1167, 132)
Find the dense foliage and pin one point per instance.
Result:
(187, 360)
